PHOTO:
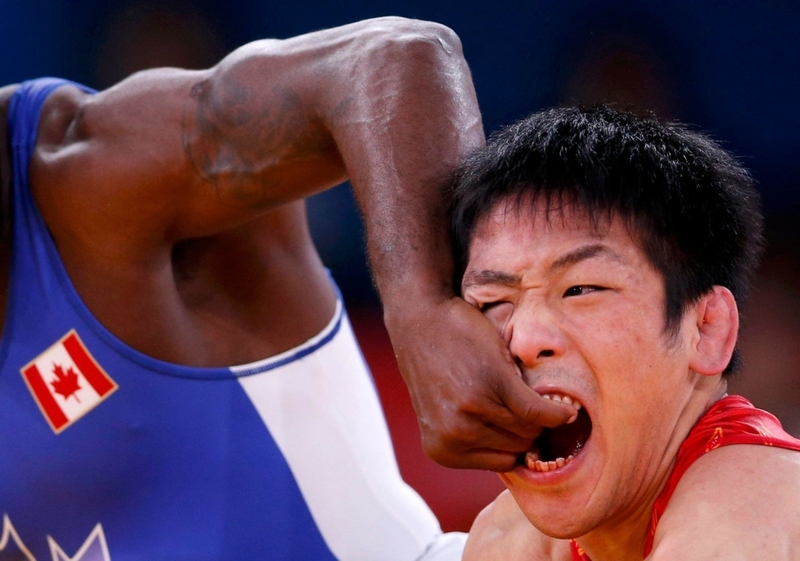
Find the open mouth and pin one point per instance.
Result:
(557, 447)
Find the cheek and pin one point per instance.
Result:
(625, 347)
(619, 330)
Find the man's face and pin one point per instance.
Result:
(582, 312)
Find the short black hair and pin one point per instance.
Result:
(693, 208)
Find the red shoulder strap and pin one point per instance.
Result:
(732, 420)
(577, 552)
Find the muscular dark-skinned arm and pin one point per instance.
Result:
(473, 408)
(388, 103)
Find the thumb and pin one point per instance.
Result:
(531, 408)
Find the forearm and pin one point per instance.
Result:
(414, 117)
(390, 102)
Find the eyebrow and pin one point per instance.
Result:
(477, 278)
(584, 253)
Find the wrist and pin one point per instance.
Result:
(404, 283)
(414, 304)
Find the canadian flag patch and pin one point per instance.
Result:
(67, 382)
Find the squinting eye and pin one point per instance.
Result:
(488, 306)
(581, 290)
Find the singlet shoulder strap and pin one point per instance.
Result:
(732, 420)
(578, 554)
(34, 259)
(25, 107)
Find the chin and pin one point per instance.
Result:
(561, 518)
(567, 524)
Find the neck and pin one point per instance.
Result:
(623, 538)
(621, 541)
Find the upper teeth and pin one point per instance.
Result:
(563, 399)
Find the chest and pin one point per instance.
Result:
(162, 459)
(213, 303)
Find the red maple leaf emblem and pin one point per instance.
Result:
(66, 383)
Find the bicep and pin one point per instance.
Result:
(203, 150)
(255, 129)
(387, 101)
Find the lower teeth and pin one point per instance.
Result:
(535, 464)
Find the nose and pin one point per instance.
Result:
(533, 336)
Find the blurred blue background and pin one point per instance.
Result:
(731, 68)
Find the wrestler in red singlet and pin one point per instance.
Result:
(732, 420)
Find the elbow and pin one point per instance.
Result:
(405, 31)
(414, 41)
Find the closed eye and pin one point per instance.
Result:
(582, 289)
(486, 306)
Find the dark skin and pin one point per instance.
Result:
(176, 202)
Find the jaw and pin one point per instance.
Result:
(606, 492)
(556, 482)
(561, 510)
(617, 462)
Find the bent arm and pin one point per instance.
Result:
(388, 103)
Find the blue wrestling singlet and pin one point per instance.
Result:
(108, 454)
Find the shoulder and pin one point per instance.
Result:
(60, 122)
(501, 531)
(736, 502)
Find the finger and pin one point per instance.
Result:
(469, 433)
(531, 408)
(501, 417)
(481, 459)
(470, 443)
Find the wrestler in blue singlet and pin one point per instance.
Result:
(106, 453)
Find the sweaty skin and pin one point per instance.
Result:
(581, 309)
(175, 199)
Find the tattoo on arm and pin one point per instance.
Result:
(234, 135)
(209, 130)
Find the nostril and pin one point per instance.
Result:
(545, 353)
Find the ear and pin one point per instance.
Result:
(717, 329)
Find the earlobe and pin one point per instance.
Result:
(718, 328)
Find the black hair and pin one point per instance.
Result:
(691, 206)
